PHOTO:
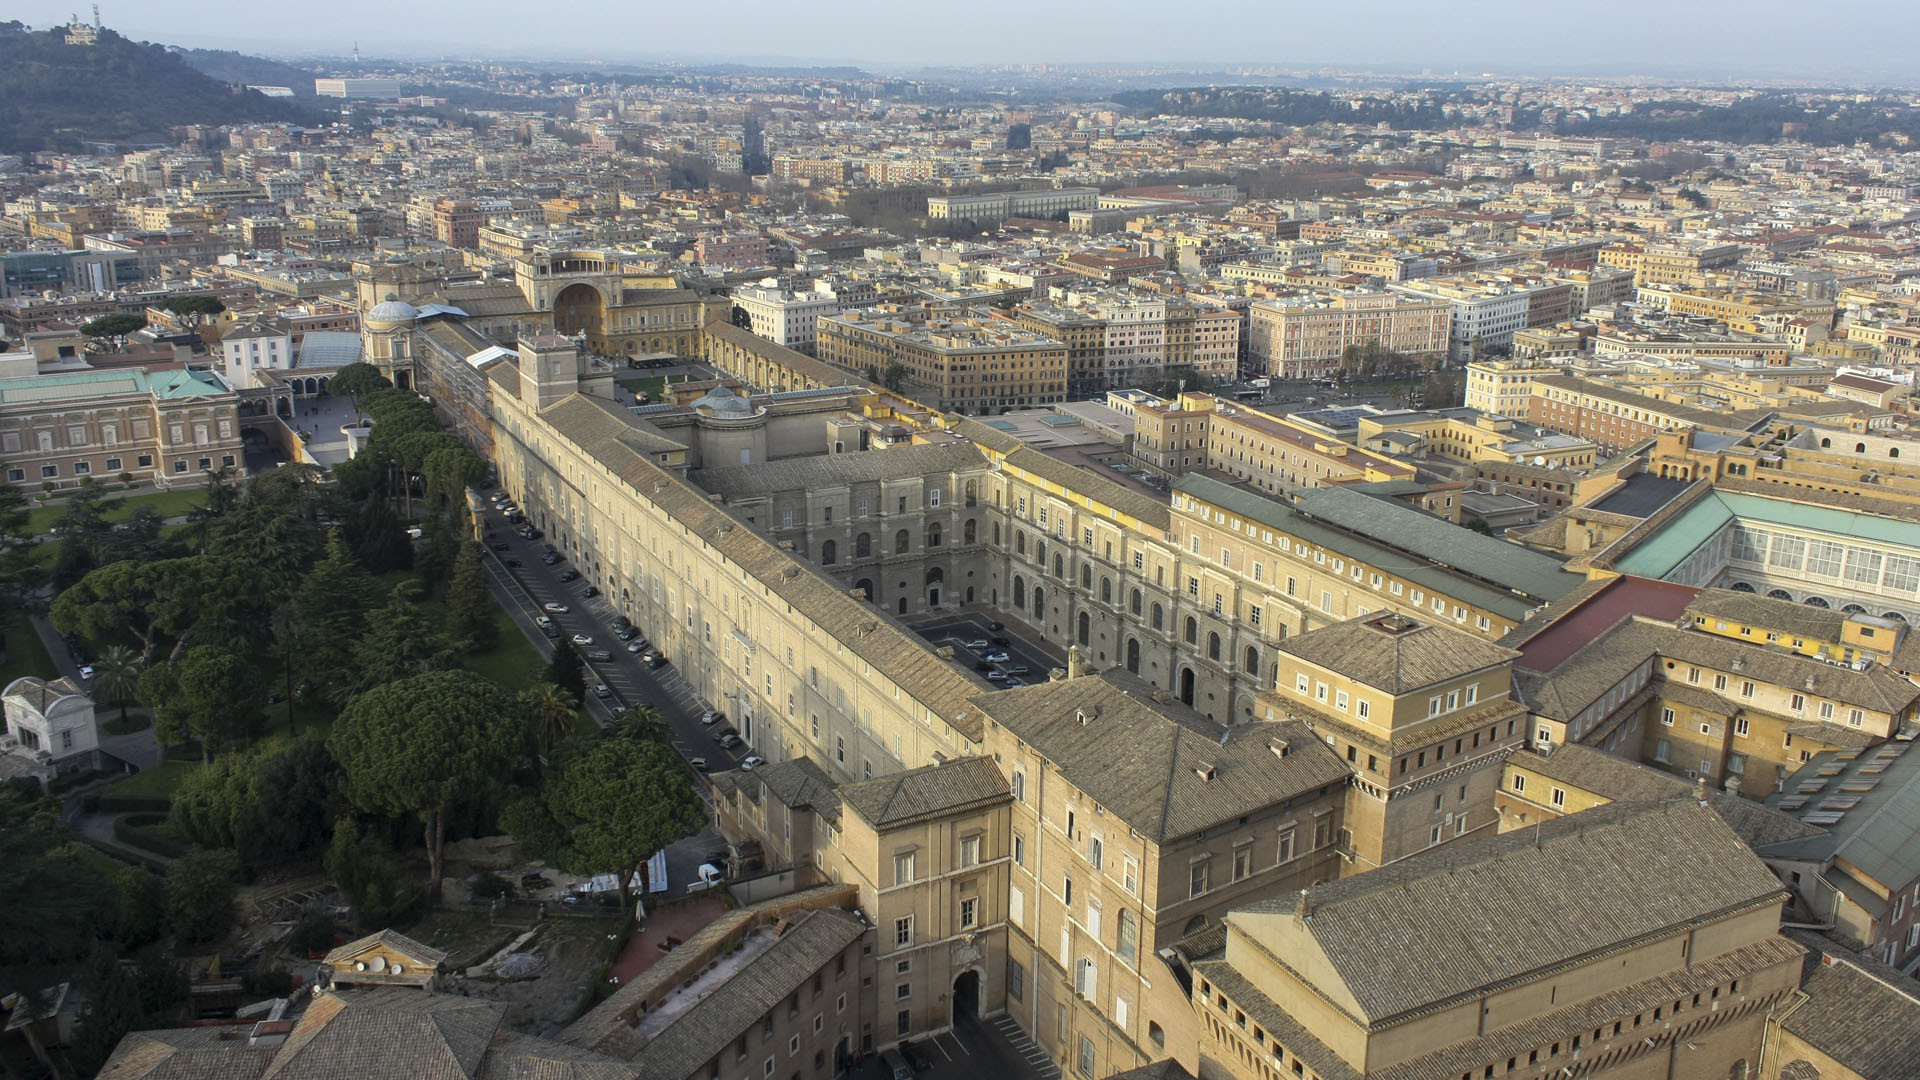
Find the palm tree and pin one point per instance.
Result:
(553, 711)
(116, 676)
(642, 722)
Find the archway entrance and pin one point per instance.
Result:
(1186, 686)
(579, 309)
(966, 997)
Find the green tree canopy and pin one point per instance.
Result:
(469, 604)
(200, 895)
(211, 692)
(400, 639)
(56, 904)
(566, 671)
(420, 746)
(113, 326)
(620, 801)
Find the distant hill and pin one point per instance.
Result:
(55, 96)
(233, 67)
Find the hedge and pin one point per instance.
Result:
(125, 804)
(130, 831)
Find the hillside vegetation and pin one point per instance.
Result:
(55, 96)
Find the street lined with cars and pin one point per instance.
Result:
(560, 604)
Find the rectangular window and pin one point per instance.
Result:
(1559, 797)
(1197, 879)
(970, 851)
(1130, 875)
(1085, 1060)
(1666, 717)
(1242, 863)
(969, 912)
(1016, 980)
(1019, 850)
(1283, 851)
(1129, 941)
(903, 931)
(1096, 852)
(1741, 725)
(1020, 785)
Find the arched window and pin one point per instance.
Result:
(996, 534)
(1086, 628)
(1086, 577)
(828, 552)
(1019, 541)
(865, 585)
(1859, 448)
(970, 532)
(1893, 452)
(862, 546)
(1159, 616)
(1106, 590)
(1213, 646)
(1133, 655)
(1158, 1036)
(1019, 592)
(1059, 565)
(1193, 631)
(933, 535)
(1826, 444)
(970, 493)
(1133, 604)
(1039, 602)
(1253, 662)
(902, 542)
(1040, 554)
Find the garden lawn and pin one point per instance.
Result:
(168, 504)
(26, 655)
(655, 385)
(157, 782)
(514, 662)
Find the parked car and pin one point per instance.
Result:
(654, 660)
(553, 558)
(752, 761)
(626, 633)
(551, 632)
(602, 691)
(996, 626)
(542, 620)
(1018, 669)
(570, 575)
(600, 656)
(731, 741)
(1013, 681)
(976, 644)
(636, 646)
(698, 764)
(709, 716)
(512, 562)
(997, 656)
(590, 591)
(501, 547)
(996, 676)
(556, 608)
(583, 639)
(1003, 642)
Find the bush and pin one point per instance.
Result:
(69, 781)
(146, 831)
(371, 879)
(491, 885)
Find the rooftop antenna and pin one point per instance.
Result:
(356, 52)
(96, 16)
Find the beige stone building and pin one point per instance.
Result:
(1668, 970)
(1304, 338)
(960, 365)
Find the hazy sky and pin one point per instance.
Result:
(1838, 42)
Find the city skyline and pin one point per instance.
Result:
(1718, 41)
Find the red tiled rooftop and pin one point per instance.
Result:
(1622, 597)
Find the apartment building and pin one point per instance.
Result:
(960, 364)
(1679, 263)
(1467, 435)
(1305, 337)
(1504, 387)
(1671, 969)
(1485, 314)
(457, 223)
(786, 316)
(732, 251)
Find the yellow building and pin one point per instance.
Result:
(959, 365)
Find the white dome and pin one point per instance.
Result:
(392, 312)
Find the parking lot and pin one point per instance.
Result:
(975, 637)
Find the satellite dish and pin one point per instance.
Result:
(360, 965)
(395, 969)
(379, 965)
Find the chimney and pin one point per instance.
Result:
(1305, 910)
(1700, 790)
(1076, 665)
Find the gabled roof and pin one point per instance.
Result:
(1859, 1012)
(798, 783)
(1395, 653)
(1664, 866)
(927, 792)
(1164, 769)
(392, 941)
